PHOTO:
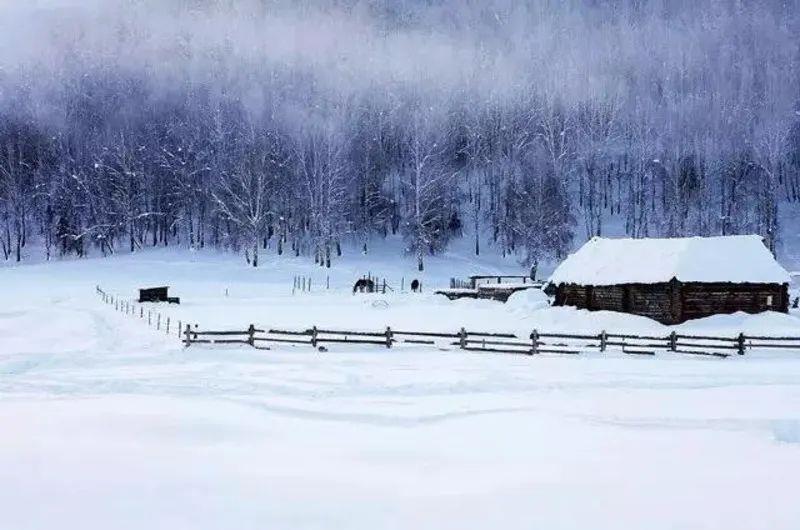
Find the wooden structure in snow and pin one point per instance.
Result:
(157, 294)
(497, 287)
(673, 280)
(482, 279)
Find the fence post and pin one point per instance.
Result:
(180, 327)
(167, 332)
(388, 337)
(402, 283)
(740, 343)
(673, 341)
(327, 282)
(158, 322)
(149, 317)
(141, 312)
(534, 342)
(462, 338)
(314, 336)
(603, 340)
(309, 284)
(188, 335)
(251, 335)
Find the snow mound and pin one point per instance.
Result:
(528, 300)
(768, 323)
(476, 304)
(565, 319)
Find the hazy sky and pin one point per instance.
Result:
(573, 49)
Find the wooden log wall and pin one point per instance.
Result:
(701, 300)
(674, 302)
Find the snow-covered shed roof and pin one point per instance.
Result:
(734, 259)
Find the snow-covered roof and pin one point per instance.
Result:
(735, 259)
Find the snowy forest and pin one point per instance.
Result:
(312, 127)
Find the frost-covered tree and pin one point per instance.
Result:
(243, 193)
(513, 123)
(427, 185)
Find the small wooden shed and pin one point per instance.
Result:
(157, 294)
(673, 280)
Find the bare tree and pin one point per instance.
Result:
(426, 184)
(243, 195)
(322, 165)
(16, 192)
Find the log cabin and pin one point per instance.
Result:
(673, 280)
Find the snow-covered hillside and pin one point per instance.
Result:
(108, 424)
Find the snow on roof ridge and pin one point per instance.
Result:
(607, 261)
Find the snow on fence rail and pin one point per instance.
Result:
(537, 342)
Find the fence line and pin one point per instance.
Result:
(154, 319)
(536, 343)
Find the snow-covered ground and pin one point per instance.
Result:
(108, 424)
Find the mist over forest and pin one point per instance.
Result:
(311, 128)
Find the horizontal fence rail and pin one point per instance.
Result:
(477, 341)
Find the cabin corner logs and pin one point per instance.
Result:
(675, 302)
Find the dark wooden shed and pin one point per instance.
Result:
(673, 280)
(157, 294)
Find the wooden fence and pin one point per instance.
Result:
(155, 319)
(537, 343)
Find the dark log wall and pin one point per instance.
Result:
(653, 301)
(611, 298)
(704, 299)
(673, 302)
(572, 295)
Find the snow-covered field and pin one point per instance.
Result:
(108, 424)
